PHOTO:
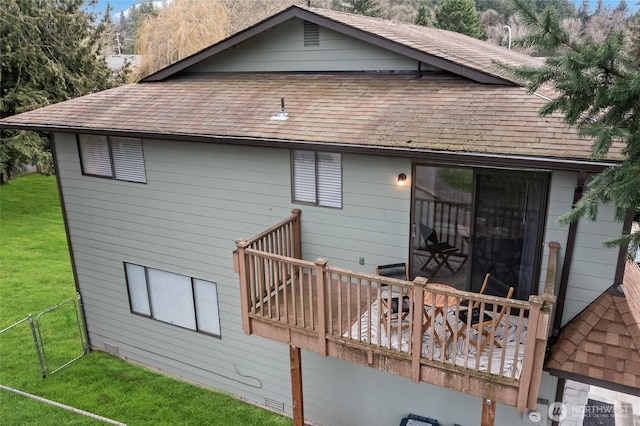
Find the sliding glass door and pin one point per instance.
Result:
(507, 229)
(478, 222)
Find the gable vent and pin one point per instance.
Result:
(311, 34)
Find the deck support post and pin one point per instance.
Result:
(295, 360)
(488, 412)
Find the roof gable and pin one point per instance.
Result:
(286, 48)
(445, 50)
(602, 343)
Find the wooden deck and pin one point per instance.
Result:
(334, 312)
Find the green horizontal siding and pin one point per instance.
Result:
(282, 49)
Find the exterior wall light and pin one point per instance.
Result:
(402, 179)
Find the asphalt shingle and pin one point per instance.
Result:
(439, 112)
(603, 341)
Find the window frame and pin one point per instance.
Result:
(113, 167)
(194, 302)
(467, 231)
(318, 181)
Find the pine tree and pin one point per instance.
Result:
(583, 11)
(50, 53)
(598, 92)
(365, 7)
(622, 8)
(459, 16)
(422, 15)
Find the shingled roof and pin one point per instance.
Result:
(601, 345)
(437, 112)
(450, 115)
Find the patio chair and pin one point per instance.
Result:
(389, 302)
(394, 270)
(470, 316)
(394, 308)
(435, 250)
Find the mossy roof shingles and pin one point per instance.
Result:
(436, 111)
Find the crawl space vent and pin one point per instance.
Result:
(112, 349)
(273, 404)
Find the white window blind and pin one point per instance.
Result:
(206, 297)
(128, 160)
(114, 157)
(329, 179)
(171, 298)
(317, 178)
(304, 176)
(138, 294)
(96, 159)
(174, 298)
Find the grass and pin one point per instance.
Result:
(461, 179)
(35, 274)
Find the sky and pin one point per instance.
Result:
(119, 5)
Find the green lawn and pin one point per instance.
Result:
(35, 274)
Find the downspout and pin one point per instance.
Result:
(566, 264)
(85, 332)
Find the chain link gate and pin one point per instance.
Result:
(58, 337)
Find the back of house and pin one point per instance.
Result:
(375, 133)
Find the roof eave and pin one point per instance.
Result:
(630, 390)
(479, 159)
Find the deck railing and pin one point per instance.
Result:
(317, 307)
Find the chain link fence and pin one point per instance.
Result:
(26, 409)
(57, 337)
(46, 343)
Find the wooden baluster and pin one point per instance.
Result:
(321, 265)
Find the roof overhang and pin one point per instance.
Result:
(451, 158)
(595, 382)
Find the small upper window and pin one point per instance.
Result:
(317, 178)
(113, 157)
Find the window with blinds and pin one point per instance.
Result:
(173, 298)
(112, 157)
(317, 178)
